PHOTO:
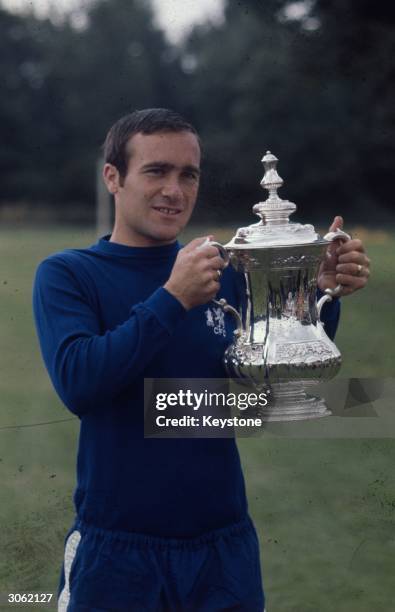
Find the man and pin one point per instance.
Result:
(161, 524)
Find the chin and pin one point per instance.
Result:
(165, 237)
(168, 234)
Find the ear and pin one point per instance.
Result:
(111, 178)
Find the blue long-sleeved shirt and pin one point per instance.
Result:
(105, 323)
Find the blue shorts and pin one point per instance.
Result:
(126, 572)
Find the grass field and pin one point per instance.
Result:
(324, 509)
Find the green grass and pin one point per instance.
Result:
(324, 509)
(325, 512)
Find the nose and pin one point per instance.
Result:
(171, 189)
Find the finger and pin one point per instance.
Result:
(353, 282)
(353, 269)
(350, 245)
(210, 251)
(205, 245)
(212, 289)
(332, 248)
(346, 291)
(216, 263)
(215, 287)
(214, 252)
(337, 223)
(217, 274)
(208, 254)
(354, 257)
(196, 242)
(210, 275)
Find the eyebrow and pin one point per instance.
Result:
(166, 166)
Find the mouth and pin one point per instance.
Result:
(168, 211)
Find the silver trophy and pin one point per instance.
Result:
(280, 343)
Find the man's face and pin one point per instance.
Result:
(159, 192)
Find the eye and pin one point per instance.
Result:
(155, 171)
(193, 176)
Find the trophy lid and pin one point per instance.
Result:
(274, 227)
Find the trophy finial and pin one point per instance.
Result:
(274, 227)
(274, 211)
(271, 181)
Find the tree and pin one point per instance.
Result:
(306, 89)
(25, 69)
(64, 88)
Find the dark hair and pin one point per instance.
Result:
(146, 121)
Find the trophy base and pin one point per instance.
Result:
(289, 401)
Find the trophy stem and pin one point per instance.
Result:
(290, 402)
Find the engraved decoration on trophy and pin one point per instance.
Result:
(280, 342)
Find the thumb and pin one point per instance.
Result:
(191, 246)
(337, 223)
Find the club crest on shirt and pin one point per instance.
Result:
(215, 318)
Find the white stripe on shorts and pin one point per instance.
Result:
(70, 551)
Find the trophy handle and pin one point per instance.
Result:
(222, 251)
(330, 293)
(222, 303)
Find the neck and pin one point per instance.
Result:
(124, 236)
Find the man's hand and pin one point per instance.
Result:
(195, 276)
(345, 264)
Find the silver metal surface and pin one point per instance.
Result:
(228, 308)
(280, 343)
(274, 227)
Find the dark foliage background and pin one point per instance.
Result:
(318, 91)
